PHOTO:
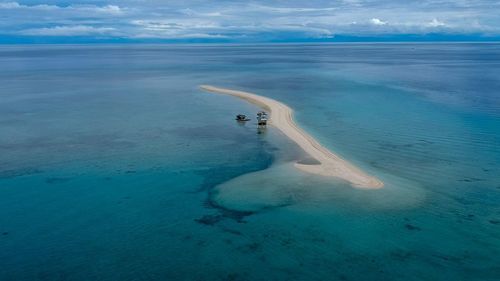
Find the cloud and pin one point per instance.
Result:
(9, 5)
(376, 21)
(77, 30)
(250, 20)
(110, 9)
(291, 10)
(177, 29)
(191, 12)
(179, 36)
(436, 23)
(107, 9)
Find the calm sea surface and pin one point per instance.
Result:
(115, 166)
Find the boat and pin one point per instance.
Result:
(262, 118)
(242, 118)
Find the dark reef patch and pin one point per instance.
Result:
(412, 227)
(392, 146)
(287, 242)
(213, 177)
(250, 248)
(258, 161)
(494, 221)
(8, 174)
(209, 219)
(232, 277)
(238, 216)
(231, 231)
(470, 179)
(447, 258)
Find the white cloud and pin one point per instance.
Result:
(107, 9)
(77, 30)
(269, 19)
(175, 24)
(376, 21)
(291, 9)
(9, 5)
(110, 9)
(193, 13)
(179, 36)
(436, 23)
(177, 29)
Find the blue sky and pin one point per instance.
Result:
(53, 21)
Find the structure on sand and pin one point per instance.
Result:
(262, 118)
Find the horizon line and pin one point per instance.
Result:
(254, 43)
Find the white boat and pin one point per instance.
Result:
(262, 118)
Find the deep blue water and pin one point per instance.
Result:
(115, 166)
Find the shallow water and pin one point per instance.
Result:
(115, 166)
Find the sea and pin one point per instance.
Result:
(114, 165)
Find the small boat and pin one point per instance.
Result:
(262, 118)
(241, 118)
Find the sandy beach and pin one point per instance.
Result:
(281, 117)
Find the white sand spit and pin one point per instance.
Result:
(331, 165)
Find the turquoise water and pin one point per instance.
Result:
(115, 166)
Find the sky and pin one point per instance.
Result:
(53, 21)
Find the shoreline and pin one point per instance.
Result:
(281, 117)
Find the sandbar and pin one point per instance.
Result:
(281, 117)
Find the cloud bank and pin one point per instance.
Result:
(248, 21)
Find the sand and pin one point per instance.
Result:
(330, 164)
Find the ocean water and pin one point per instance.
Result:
(115, 166)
